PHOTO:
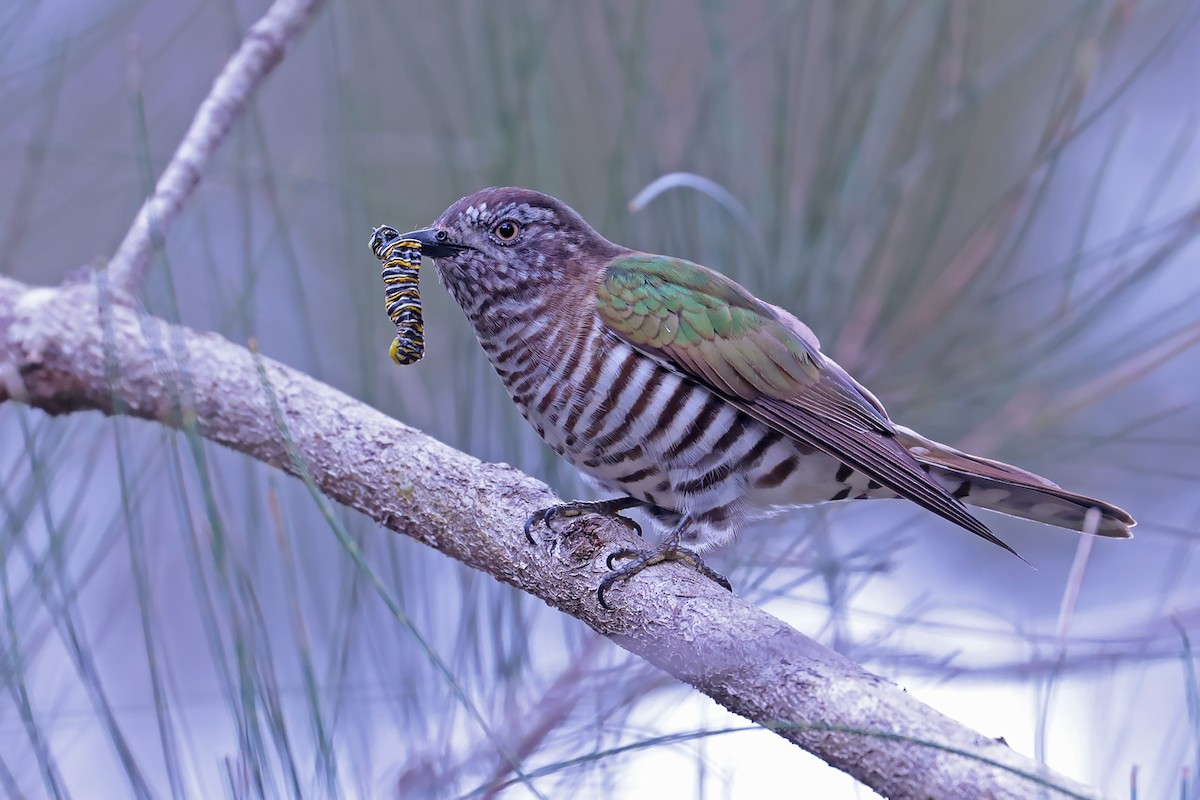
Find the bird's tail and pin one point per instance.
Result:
(1002, 487)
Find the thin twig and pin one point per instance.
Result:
(260, 52)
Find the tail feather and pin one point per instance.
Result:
(1010, 490)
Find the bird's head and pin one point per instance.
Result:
(507, 236)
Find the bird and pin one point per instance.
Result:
(674, 389)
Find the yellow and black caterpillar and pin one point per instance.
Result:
(401, 275)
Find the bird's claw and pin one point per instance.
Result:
(624, 552)
(534, 519)
(605, 508)
(668, 551)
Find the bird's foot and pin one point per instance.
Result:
(669, 550)
(605, 508)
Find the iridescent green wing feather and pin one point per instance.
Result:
(714, 328)
(708, 328)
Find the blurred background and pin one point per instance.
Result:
(987, 211)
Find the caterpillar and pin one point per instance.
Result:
(401, 275)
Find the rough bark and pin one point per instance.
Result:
(72, 349)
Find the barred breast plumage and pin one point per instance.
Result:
(637, 428)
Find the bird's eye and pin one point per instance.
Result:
(506, 231)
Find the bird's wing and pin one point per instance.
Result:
(767, 363)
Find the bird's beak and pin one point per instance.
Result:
(435, 243)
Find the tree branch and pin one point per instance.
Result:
(60, 347)
(260, 52)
